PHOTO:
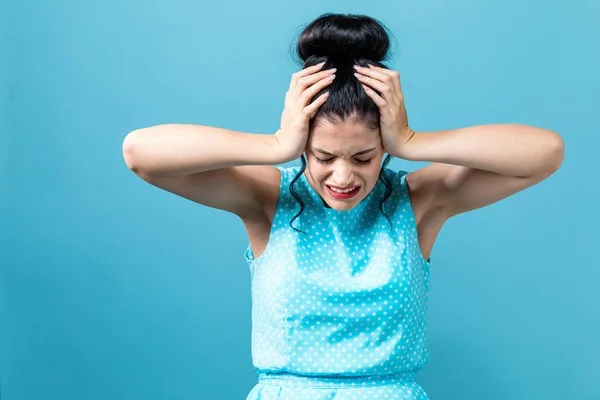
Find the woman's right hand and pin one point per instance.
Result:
(293, 133)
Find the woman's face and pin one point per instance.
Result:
(343, 154)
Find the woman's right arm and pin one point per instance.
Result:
(226, 169)
(174, 150)
(216, 167)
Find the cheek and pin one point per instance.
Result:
(315, 173)
(374, 177)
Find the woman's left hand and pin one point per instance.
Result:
(395, 132)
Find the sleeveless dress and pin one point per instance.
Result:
(339, 312)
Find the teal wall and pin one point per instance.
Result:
(111, 288)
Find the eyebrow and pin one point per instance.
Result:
(356, 154)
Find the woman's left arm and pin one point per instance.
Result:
(478, 165)
(471, 167)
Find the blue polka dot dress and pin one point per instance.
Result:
(339, 312)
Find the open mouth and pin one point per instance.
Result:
(343, 194)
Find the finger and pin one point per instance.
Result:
(383, 75)
(313, 107)
(382, 87)
(374, 72)
(378, 100)
(395, 75)
(309, 93)
(311, 80)
(304, 72)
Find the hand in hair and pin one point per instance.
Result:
(395, 132)
(300, 106)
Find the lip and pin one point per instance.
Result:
(342, 188)
(343, 196)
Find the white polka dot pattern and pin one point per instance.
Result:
(344, 305)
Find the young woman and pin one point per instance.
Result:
(339, 248)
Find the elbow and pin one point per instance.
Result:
(558, 153)
(129, 151)
(555, 155)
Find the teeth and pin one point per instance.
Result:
(342, 191)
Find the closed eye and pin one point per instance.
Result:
(319, 160)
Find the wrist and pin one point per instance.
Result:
(278, 153)
(406, 146)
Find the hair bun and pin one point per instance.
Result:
(344, 37)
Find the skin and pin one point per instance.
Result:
(343, 168)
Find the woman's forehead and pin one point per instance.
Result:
(344, 140)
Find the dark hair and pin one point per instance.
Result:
(341, 41)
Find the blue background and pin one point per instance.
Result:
(111, 288)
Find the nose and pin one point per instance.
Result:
(342, 177)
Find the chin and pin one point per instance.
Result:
(342, 205)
